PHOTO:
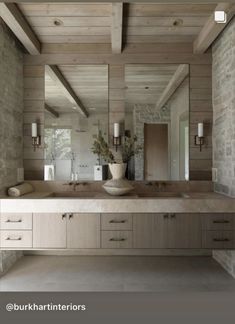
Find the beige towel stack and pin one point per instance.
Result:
(20, 190)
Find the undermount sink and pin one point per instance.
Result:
(75, 194)
(162, 194)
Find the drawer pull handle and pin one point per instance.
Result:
(14, 221)
(70, 216)
(63, 216)
(221, 222)
(13, 239)
(166, 215)
(113, 221)
(221, 240)
(117, 240)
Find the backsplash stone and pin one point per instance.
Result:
(223, 81)
(11, 121)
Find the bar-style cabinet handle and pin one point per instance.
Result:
(221, 240)
(70, 216)
(14, 221)
(117, 240)
(64, 215)
(13, 239)
(222, 221)
(113, 221)
(166, 215)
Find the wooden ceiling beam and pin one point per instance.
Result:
(212, 29)
(179, 76)
(14, 19)
(116, 29)
(52, 111)
(56, 75)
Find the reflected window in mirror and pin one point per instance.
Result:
(76, 110)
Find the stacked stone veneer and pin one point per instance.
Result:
(11, 120)
(223, 78)
(146, 114)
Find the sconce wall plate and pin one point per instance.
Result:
(199, 141)
(36, 142)
(117, 141)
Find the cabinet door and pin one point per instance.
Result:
(184, 231)
(175, 231)
(150, 231)
(49, 231)
(83, 231)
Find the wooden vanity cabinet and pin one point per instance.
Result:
(49, 231)
(179, 231)
(83, 231)
(68, 230)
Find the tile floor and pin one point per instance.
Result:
(117, 273)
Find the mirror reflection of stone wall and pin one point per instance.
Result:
(157, 95)
(69, 134)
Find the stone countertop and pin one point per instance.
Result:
(44, 202)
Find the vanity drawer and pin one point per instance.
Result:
(116, 222)
(218, 239)
(218, 221)
(116, 239)
(16, 221)
(16, 239)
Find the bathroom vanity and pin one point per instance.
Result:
(194, 223)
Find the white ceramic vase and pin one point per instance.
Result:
(118, 185)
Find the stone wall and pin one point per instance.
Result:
(223, 78)
(11, 120)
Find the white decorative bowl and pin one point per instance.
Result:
(117, 187)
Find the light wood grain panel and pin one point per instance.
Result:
(54, 21)
(83, 231)
(49, 231)
(166, 21)
(136, 9)
(16, 221)
(116, 239)
(118, 59)
(65, 9)
(70, 31)
(198, 165)
(75, 48)
(100, 39)
(154, 31)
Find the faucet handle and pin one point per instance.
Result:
(68, 183)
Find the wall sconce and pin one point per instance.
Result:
(199, 139)
(117, 139)
(36, 139)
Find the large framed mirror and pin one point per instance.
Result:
(157, 112)
(76, 109)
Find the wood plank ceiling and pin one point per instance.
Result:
(146, 82)
(89, 82)
(91, 23)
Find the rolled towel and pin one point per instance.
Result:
(20, 190)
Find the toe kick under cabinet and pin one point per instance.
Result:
(109, 231)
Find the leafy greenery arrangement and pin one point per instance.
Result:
(129, 148)
(101, 148)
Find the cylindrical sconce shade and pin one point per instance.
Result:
(116, 130)
(200, 130)
(34, 130)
